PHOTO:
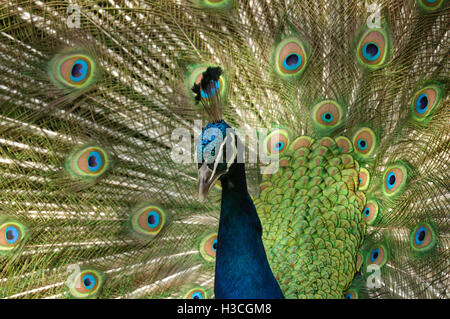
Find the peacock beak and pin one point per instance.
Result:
(206, 181)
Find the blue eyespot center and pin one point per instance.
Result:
(79, 71)
(279, 146)
(89, 281)
(94, 161)
(11, 234)
(375, 254)
(153, 219)
(292, 61)
(214, 246)
(420, 235)
(348, 296)
(367, 212)
(422, 104)
(362, 144)
(371, 52)
(327, 117)
(390, 180)
(197, 295)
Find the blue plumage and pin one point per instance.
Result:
(242, 269)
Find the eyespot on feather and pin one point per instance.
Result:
(72, 70)
(196, 293)
(148, 220)
(430, 5)
(86, 284)
(290, 57)
(88, 162)
(351, 294)
(370, 212)
(364, 141)
(327, 114)
(425, 101)
(394, 179)
(423, 237)
(208, 247)
(12, 234)
(377, 255)
(373, 48)
(277, 142)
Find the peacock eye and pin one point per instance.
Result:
(86, 284)
(423, 237)
(430, 5)
(350, 295)
(364, 141)
(196, 293)
(327, 114)
(208, 247)
(372, 48)
(72, 70)
(148, 220)
(290, 57)
(370, 212)
(277, 142)
(394, 179)
(91, 162)
(377, 255)
(425, 101)
(11, 235)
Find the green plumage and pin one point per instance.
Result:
(313, 226)
(87, 119)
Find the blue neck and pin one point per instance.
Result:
(242, 269)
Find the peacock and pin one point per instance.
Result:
(196, 149)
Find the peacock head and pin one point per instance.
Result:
(216, 153)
